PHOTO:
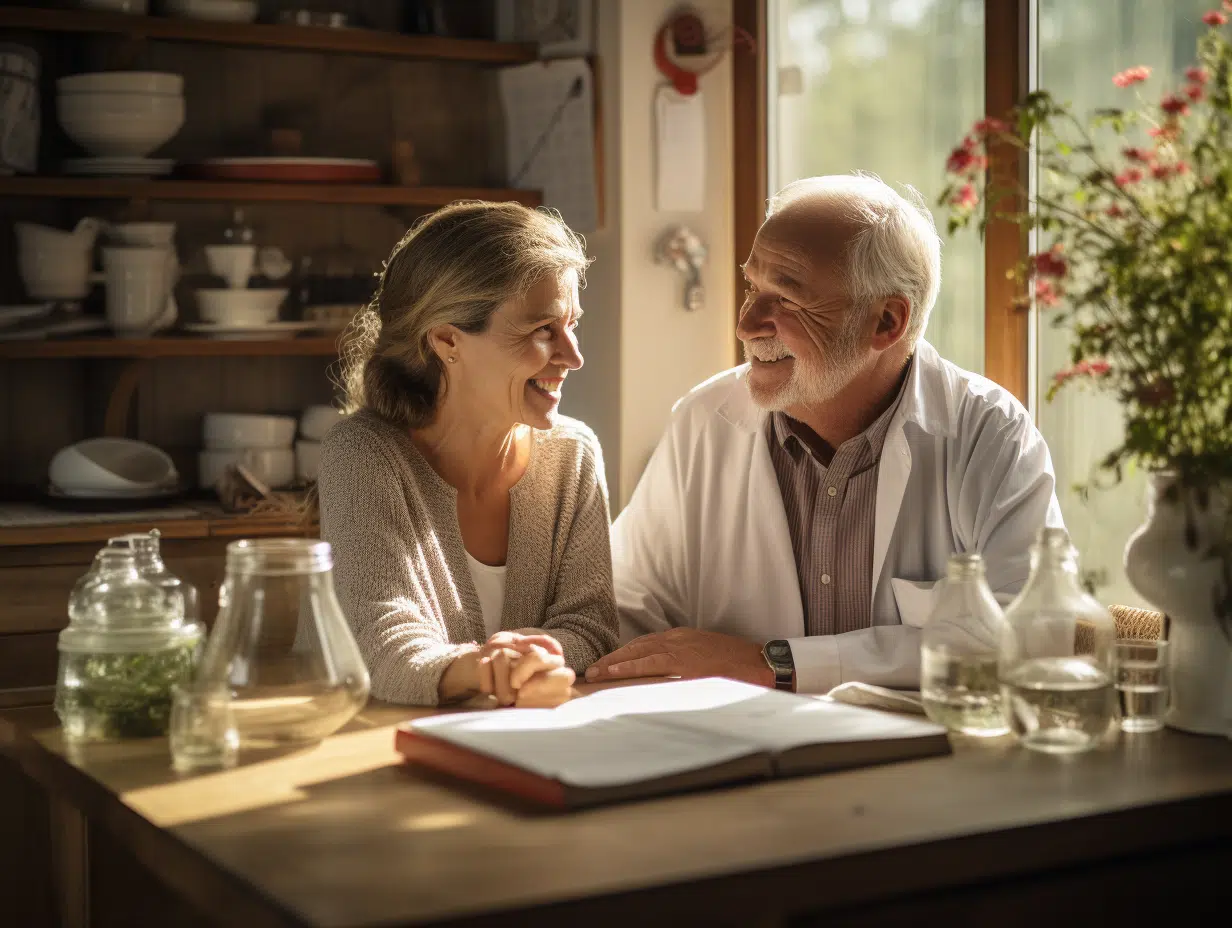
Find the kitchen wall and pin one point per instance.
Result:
(643, 349)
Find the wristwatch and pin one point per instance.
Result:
(777, 653)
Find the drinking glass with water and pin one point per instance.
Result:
(1142, 683)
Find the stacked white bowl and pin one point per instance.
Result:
(120, 114)
(313, 424)
(262, 444)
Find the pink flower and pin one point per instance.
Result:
(1162, 171)
(1197, 75)
(1114, 211)
(1082, 369)
(1051, 263)
(963, 160)
(1174, 105)
(1141, 155)
(1132, 76)
(1168, 132)
(966, 197)
(986, 126)
(1125, 178)
(1182, 167)
(1227, 5)
(1214, 19)
(1194, 92)
(1047, 293)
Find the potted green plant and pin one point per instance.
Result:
(1134, 207)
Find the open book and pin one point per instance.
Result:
(639, 741)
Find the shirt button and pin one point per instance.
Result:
(833, 491)
(825, 579)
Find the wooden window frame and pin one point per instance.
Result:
(1007, 73)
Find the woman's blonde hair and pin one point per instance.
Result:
(455, 266)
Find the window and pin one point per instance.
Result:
(1081, 45)
(886, 86)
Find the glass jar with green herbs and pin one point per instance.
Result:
(127, 644)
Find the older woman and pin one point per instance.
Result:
(469, 518)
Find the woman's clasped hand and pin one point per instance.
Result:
(526, 671)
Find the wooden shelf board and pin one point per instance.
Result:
(169, 347)
(209, 525)
(96, 188)
(366, 42)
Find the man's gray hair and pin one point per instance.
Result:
(897, 249)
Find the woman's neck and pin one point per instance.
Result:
(474, 458)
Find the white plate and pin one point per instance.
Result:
(269, 330)
(11, 315)
(67, 327)
(118, 167)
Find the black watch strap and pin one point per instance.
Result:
(777, 653)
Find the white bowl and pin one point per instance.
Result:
(240, 307)
(140, 82)
(111, 464)
(225, 431)
(129, 125)
(316, 421)
(142, 234)
(275, 467)
(307, 459)
(219, 11)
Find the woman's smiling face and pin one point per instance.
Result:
(513, 371)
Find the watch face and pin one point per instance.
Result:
(779, 652)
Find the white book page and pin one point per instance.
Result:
(585, 751)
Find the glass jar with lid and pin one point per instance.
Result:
(128, 642)
(1055, 663)
(282, 646)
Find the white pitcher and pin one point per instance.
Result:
(138, 284)
(153, 235)
(54, 264)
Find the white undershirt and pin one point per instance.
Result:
(490, 585)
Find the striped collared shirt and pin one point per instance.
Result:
(831, 509)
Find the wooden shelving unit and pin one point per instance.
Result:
(211, 522)
(110, 188)
(170, 347)
(366, 42)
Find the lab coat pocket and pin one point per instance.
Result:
(915, 600)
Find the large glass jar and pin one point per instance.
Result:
(1055, 664)
(958, 653)
(127, 644)
(282, 645)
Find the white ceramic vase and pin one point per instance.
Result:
(1173, 560)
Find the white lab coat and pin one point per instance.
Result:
(704, 540)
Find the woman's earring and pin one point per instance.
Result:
(452, 360)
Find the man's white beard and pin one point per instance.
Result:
(812, 382)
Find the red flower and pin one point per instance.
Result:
(1168, 132)
(1182, 167)
(966, 197)
(1194, 92)
(1082, 369)
(1162, 171)
(1197, 75)
(986, 126)
(1125, 178)
(1051, 263)
(1114, 211)
(1174, 105)
(1214, 18)
(1047, 293)
(963, 160)
(1141, 155)
(1132, 76)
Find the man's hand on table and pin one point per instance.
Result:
(687, 653)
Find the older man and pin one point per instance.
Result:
(793, 522)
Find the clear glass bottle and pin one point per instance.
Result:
(147, 555)
(1055, 663)
(958, 653)
(127, 644)
(282, 645)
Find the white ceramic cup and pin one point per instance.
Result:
(153, 235)
(233, 263)
(138, 284)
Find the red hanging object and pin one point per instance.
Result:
(684, 80)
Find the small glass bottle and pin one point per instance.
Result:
(147, 555)
(1055, 663)
(282, 646)
(958, 653)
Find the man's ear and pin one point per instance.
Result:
(893, 316)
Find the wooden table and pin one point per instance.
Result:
(344, 834)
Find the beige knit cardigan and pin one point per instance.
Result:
(400, 566)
